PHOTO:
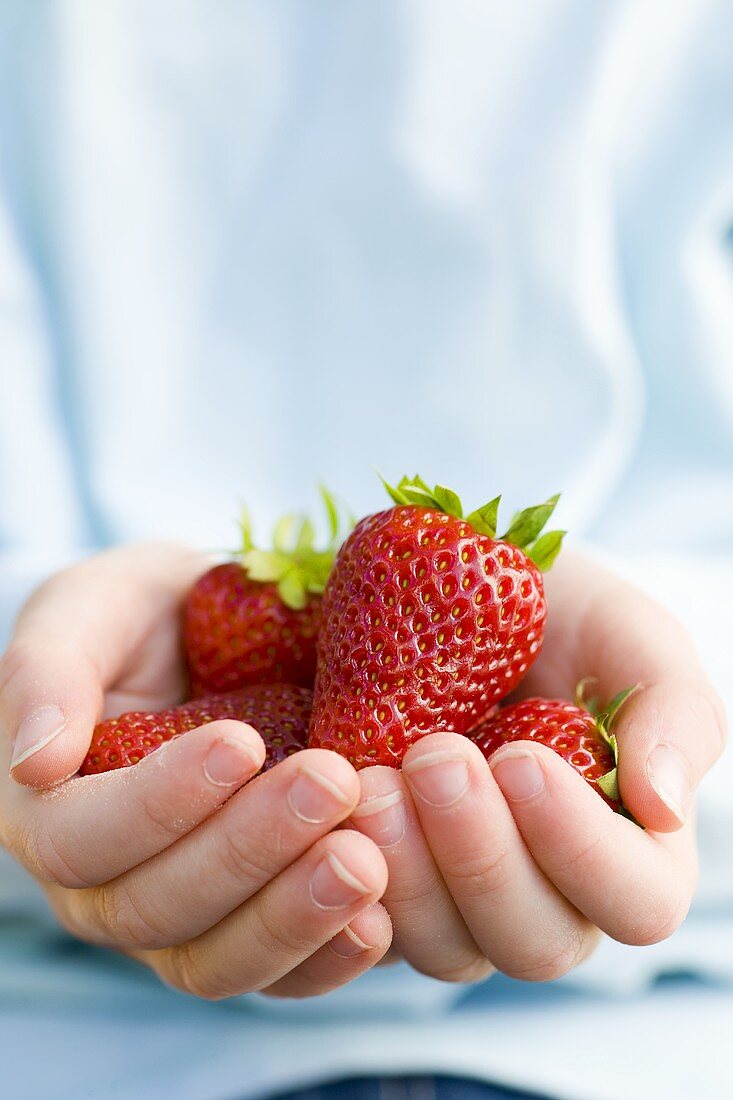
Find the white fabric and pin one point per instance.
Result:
(247, 246)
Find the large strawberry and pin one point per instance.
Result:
(577, 732)
(279, 713)
(256, 619)
(428, 620)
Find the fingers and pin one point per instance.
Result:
(669, 735)
(72, 638)
(195, 883)
(514, 913)
(359, 946)
(50, 698)
(429, 930)
(635, 885)
(92, 829)
(226, 867)
(286, 923)
(671, 732)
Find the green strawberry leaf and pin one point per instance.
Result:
(413, 490)
(306, 538)
(417, 492)
(610, 712)
(527, 525)
(591, 703)
(418, 482)
(448, 501)
(609, 738)
(524, 531)
(545, 549)
(292, 590)
(266, 565)
(609, 785)
(396, 494)
(484, 519)
(420, 498)
(332, 514)
(604, 721)
(284, 531)
(294, 564)
(245, 528)
(318, 570)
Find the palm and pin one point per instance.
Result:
(155, 676)
(587, 635)
(149, 672)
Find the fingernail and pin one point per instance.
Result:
(315, 798)
(333, 886)
(518, 773)
(347, 944)
(35, 732)
(440, 778)
(669, 775)
(383, 818)
(230, 762)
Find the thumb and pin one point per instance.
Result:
(669, 735)
(50, 698)
(72, 639)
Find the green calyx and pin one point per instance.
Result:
(605, 718)
(294, 563)
(526, 529)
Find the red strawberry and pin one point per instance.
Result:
(279, 713)
(581, 738)
(428, 620)
(256, 620)
(239, 631)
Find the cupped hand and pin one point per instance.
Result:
(220, 882)
(518, 865)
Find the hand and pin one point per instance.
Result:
(518, 865)
(221, 883)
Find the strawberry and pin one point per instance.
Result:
(279, 713)
(428, 620)
(581, 737)
(256, 619)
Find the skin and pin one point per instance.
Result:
(526, 832)
(185, 858)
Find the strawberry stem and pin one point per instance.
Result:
(294, 563)
(605, 720)
(525, 530)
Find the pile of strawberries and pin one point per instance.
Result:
(423, 621)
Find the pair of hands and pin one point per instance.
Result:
(225, 884)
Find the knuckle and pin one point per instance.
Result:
(466, 971)
(163, 817)
(413, 892)
(552, 960)
(39, 852)
(481, 873)
(658, 923)
(244, 861)
(276, 934)
(67, 911)
(123, 919)
(580, 860)
(301, 984)
(183, 969)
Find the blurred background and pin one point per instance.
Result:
(245, 247)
